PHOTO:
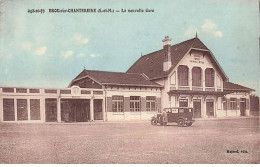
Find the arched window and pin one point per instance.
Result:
(209, 77)
(196, 76)
(183, 75)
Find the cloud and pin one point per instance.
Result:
(80, 39)
(208, 26)
(211, 28)
(84, 41)
(26, 45)
(81, 54)
(93, 55)
(67, 54)
(40, 51)
(218, 34)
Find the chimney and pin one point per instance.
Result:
(167, 50)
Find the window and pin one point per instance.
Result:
(134, 103)
(183, 75)
(181, 110)
(233, 103)
(117, 103)
(209, 77)
(150, 103)
(196, 76)
(183, 102)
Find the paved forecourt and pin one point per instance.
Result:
(132, 142)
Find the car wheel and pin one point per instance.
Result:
(154, 122)
(181, 122)
(189, 124)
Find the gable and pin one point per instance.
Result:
(152, 64)
(87, 82)
(197, 59)
(201, 59)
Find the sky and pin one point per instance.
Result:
(48, 50)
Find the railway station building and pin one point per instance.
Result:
(182, 75)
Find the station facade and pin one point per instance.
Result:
(182, 75)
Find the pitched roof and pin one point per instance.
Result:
(116, 78)
(152, 64)
(229, 86)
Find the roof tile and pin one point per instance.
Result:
(152, 64)
(117, 78)
(229, 86)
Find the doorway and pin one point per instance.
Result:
(51, 110)
(75, 110)
(210, 108)
(197, 108)
(98, 114)
(243, 107)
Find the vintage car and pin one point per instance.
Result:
(181, 115)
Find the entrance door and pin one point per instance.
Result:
(197, 108)
(75, 110)
(242, 107)
(79, 112)
(210, 108)
(98, 115)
